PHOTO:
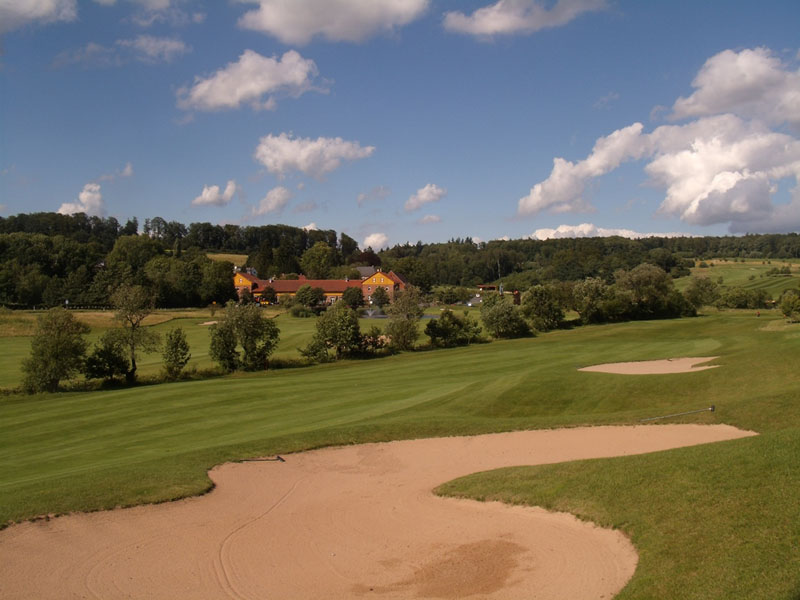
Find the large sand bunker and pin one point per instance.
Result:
(349, 522)
(654, 367)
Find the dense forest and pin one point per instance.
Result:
(49, 258)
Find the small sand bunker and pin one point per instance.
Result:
(654, 367)
(209, 323)
(349, 522)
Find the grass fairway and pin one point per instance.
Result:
(717, 521)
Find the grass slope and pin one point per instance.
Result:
(715, 521)
(750, 275)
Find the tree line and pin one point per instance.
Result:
(48, 258)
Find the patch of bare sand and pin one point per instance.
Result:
(348, 522)
(654, 367)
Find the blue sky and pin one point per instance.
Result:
(406, 120)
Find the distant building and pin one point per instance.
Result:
(333, 288)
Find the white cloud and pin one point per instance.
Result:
(90, 201)
(428, 219)
(589, 230)
(212, 196)
(19, 13)
(717, 169)
(430, 193)
(283, 153)
(275, 200)
(311, 227)
(153, 12)
(508, 17)
(126, 171)
(150, 49)
(376, 241)
(144, 48)
(249, 80)
(298, 21)
(380, 192)
(563, 190)
(605, 102)
(753, 84)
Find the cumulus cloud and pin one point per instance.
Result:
(719, 168)
(15, 14)
(284, 153)
(311, 227)
(563, 190)
(380, 192)
(428, 219)
(754, 84)
(275, 201)
(589, 230)
(508, 17)
(253, 80)
(212, 196)
(375, 241)
(90, 201)
(430, 193)
(298, 21)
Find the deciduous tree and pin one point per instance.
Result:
(337, 329)
(353, 297)
(317, 261)
(502, 319)
(380, 297)
(244, 326)
(134, 303)
(541, 305)
(404, 315)
(176, 352)
(57, 351)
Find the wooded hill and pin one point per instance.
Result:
(47, 258)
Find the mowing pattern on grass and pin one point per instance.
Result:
(86, 451)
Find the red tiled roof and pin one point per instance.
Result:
(290, 286)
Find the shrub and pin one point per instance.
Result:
(502, 319)
(450, 330)
(108, 358)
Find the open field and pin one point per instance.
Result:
(237, 259)
(708, 522)
(750, 275)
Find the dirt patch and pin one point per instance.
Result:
(210, 323)
(347, 522)
(654, 367)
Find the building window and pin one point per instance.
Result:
(369, 288)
